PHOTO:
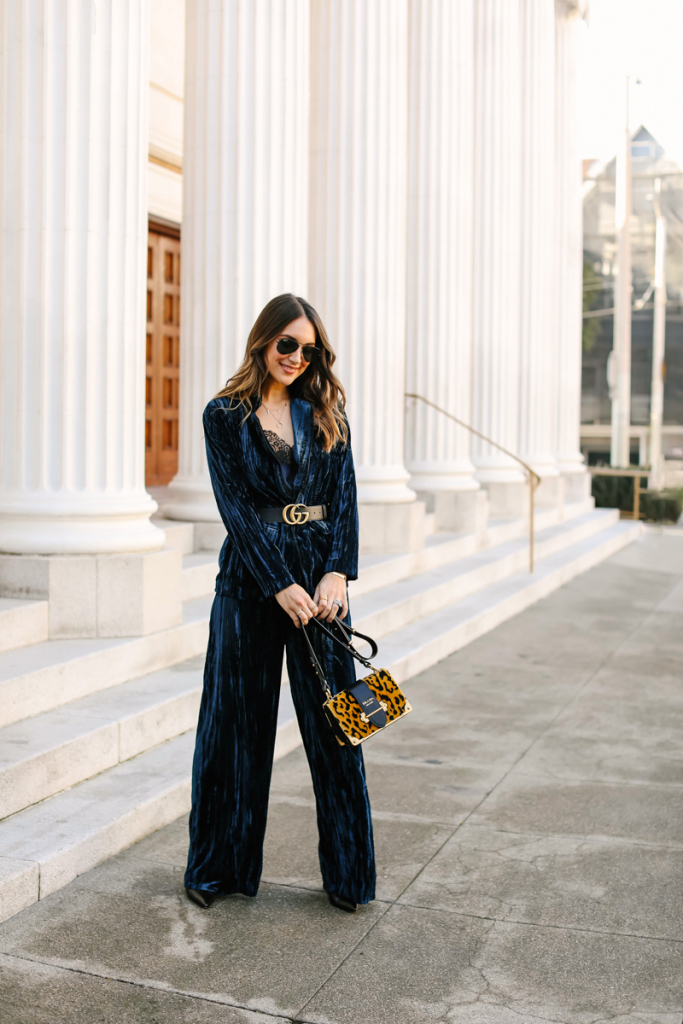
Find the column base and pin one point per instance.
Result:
(390, 529)
(25, 534)
(457, 511)
(192, 501)
(445, 475)
(508, 499)
(383, 485)
(189, 537)
(577, 486)
(99, 595)
(550, 492)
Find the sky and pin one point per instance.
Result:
(644, 39)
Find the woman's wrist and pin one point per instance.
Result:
(341, 575)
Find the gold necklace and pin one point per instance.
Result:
(280, 411)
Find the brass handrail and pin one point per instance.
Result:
(533, 477)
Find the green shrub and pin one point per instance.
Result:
(655, 506)
(614, 492)
(661, 506)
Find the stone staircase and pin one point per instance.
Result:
(96, 735)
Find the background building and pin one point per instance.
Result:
(649, 163)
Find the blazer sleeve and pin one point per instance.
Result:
(343, 555)
(256, 549)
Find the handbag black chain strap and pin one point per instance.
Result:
(345, 644)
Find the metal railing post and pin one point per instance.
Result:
(636, 498)
(532, 488)
(534, 478)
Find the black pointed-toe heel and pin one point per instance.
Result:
(341, 904)
(201, 898)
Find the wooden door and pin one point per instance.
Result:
(163, 359)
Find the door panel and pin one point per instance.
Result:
(163, 359)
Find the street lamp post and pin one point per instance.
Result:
(620, 454)
(658, 342)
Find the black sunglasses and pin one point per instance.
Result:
(286, 346)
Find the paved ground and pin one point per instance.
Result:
(529, 823)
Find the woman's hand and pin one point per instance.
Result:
(297, 604)
(330, 589)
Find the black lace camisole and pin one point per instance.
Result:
(285, 455)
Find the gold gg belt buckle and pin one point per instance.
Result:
(295, 514)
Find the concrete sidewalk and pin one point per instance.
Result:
(529, 828)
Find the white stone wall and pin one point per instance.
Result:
(166, 89)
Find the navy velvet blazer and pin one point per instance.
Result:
(259, 559)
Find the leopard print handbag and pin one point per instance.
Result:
(371, 704)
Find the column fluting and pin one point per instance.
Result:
(245, 186)
(569, 238)
(73, 212)
(539, 341)
(497, 238)
(440, 237)
(357, 240)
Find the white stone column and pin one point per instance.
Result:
(569, 249)
(539, 341)
(439, 278)
(73, 230)
(357, 257)
(497, 244)
(245, 186)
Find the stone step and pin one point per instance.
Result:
(48, 844)
(38, 679)
(200, 568)
(405, 601)
(411, 650)
(22, 623)
(178, 535)
(199, 574)
(47, 753)
(47, 675)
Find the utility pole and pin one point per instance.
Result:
(658, 342)
(620, 455)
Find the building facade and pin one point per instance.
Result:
(656, 179)
(411, 166)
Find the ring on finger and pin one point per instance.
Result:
(337, 602)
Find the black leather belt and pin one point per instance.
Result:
(293, 515)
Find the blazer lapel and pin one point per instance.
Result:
(302, 425)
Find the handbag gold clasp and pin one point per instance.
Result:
(293, 514)
(366, 718)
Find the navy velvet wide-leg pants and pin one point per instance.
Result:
(234, 755)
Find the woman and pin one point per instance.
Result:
(280, 460)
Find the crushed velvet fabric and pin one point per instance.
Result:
(260, 559)
(248, 634)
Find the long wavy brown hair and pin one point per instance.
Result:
(317, 384)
